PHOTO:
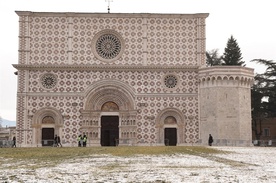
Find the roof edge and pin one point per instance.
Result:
(111, 15)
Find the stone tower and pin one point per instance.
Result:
(225, 105)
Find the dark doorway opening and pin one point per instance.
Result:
(170, 136)
(110, 130)
(48, 136)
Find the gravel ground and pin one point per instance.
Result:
(243, 164)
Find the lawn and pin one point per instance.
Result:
(53, 154)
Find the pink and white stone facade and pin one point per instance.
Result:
(75, 68)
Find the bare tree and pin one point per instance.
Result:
(213, 58)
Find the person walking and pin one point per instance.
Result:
(210, 140)
(58, 142)
(14, 141)
(55, 141)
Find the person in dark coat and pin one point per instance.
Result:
(14, 142)
(210, 140)
(55, 141)
(58, 141)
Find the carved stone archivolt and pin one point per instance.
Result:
(109, 97)
(45, 117)
(170, 117)
(48, 115)
(108, 91)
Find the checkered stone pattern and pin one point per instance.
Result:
(201, 41)
(146, 128)
(74, 82)
(22, 81)
(173, 46)
(170, 41)
(142, 82)
(49, 43)
(84, 30)
(21, 113)
(24, 39)
(72, 116)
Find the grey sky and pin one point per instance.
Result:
(252, 23)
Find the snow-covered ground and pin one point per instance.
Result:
(243, 164)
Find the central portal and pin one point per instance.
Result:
(109, 130)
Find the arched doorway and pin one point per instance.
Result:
(48, 133)
(170, 133)
(109, 113)
(109, 125)
(109, 130)
(45, 124)
(170, 136)
(170, 126)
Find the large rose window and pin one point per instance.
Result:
(107, 45)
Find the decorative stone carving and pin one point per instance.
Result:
(48, 120)
(170, 81)
(48, 81)
(108, 45)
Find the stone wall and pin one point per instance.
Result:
(225, 103)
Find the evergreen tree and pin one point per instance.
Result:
(268, 85)
(258, 105)
(232, 53)
(213, 58)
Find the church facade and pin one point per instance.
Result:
(126, 79)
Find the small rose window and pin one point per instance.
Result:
(170, 81)
(48, 81)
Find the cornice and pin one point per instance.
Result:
(225, 71)
(111, 15)
(104, 67)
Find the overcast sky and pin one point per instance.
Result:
(251, 22)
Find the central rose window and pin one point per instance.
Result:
(107, 45)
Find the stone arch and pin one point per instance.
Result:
(109, 91)
(109, 98)
(179, 125)
(47, 117)
(47, 111)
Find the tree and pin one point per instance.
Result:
(232, 53)
(268, 85)
(213, 58)
(264, 87)
(258, 105)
